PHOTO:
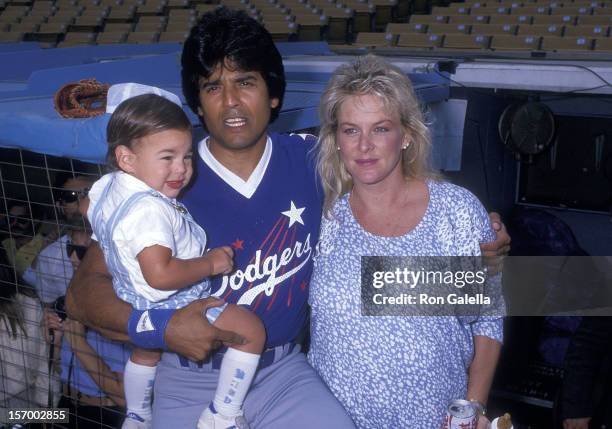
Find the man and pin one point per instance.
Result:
(53, 268)
(586, 394)
(258, 192)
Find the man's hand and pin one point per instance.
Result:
(189, 334)
(495, 252)
(581, 423)
(221, 260)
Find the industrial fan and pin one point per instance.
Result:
(526, 129)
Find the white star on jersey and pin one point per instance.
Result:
(294, 214)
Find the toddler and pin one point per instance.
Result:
(156, 252)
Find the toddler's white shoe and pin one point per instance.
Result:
(210, 419)
(134, 421)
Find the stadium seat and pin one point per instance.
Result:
(118, 27)
(419, 41)
(173, 36)
(511, 43)
(95, 11)
(568, 10)
(493, 10)
(587, 31)
(86, 23)
(384, 11)
(145, 27)
(281, 31)
(109, 3)
(373, 40)
(427, 19)
(52, 28)
(78, 38)
(60, 4)
(10, 37)
(445, 11)
(338, 23)
(493, 29)
(448, 28)
(203, 8)
(310, 27)
(465, 41)
(510, 19)
(363, 16)
(468, 19)
(511, 5)
(278, 18)
(142, 37)
(152, 7)
(105, 38)
(177, 4)
(566, 43)
(181, 14)
(122, 13)
(180, 26)
(540, 30)
(400, 27)
(554, 19)
(32, 20)
(459, 9)
(24, 28)
(595, 19)
(61, 19)
(602, 45)
(532, 10)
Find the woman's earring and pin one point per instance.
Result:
(405, 146)
(337, 147)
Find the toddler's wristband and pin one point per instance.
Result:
(146, 328)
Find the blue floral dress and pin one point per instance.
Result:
(395, 372)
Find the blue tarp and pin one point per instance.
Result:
(29, 121)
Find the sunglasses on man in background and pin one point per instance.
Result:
(80, 250)
(68, 196)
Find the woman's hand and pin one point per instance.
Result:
(51, 322)
(483, 423)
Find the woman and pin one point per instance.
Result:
(24, 370)
(91, 366)
(381, 199)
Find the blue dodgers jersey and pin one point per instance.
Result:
(273, 234)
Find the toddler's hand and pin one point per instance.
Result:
(221, 260)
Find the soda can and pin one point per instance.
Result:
(461, 415)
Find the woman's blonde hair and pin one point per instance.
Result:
(369, 75)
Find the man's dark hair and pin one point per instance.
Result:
(233, 35)
(138, 117)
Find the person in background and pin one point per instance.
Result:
(382, 199)
(71, 196)
(52, 269)
(586, 394)
(20, 241)
(26, 380)
(91, 366)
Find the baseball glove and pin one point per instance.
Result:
(83, 99)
